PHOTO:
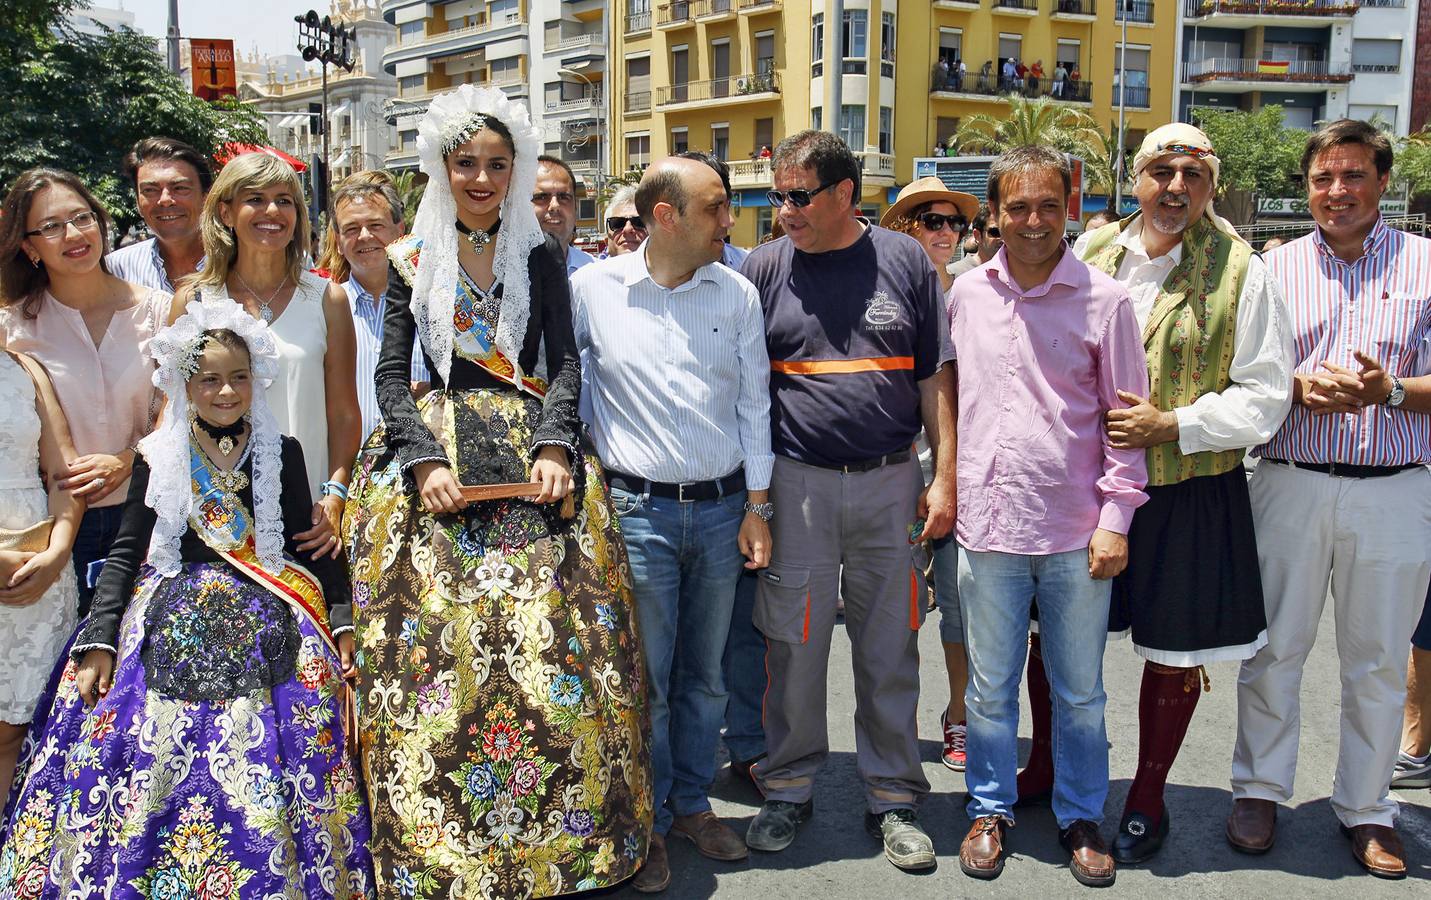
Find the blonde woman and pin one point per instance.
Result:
(255, 229)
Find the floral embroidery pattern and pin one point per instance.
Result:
(194, 863)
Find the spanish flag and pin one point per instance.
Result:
(1272, 67)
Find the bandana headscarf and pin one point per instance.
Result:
(176, 351)
(450, 120)
(1170, 140)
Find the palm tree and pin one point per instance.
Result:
(1039, 121)
(1100, 168)
(410, 192)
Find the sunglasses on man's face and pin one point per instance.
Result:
(936, 221)
(618, 223)
(798, 197)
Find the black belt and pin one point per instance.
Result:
(1344, 470)
(687, 492)
(867, 465)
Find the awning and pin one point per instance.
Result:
(229, 151)
(341, 161)
(341, 108)
(293, 121)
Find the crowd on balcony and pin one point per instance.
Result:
(1013, 76)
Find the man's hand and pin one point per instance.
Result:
(323, 536)
(1340, 390)
(95, 675)
(1107, 554)
(754, 541)
(937, 506)
(1140, 425)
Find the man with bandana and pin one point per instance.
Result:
(1219, 347)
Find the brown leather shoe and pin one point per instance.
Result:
(712, 837)
(1378, 849)
(655, 876)
(1089, 859)
(982, 853)
(1252, 826)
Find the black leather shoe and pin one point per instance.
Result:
(1137, 840)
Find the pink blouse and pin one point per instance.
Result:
(106, 392)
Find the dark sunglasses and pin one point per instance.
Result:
(936, 221)
(618, 223)
(798, 197)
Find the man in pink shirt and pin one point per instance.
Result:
(1044, 344)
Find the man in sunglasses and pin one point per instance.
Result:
(1219, 348)
(554, 201)
(673, 350)
(625, 230)
(852, 321)
(985, 243)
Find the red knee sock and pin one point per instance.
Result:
(1037, 775)
(1165, 707)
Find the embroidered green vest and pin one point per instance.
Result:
(1189, 334)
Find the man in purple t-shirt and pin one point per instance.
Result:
(852, 320)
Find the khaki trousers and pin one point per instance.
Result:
(1369, 540)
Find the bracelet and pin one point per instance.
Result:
(334, 488)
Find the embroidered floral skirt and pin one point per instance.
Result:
(502, 706)
(145, 796)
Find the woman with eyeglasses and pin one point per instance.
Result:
(937, 217)
(89, 330)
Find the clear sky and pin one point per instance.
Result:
(267, 24)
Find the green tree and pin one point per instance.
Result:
(1038, 121)
(1261, 158)
(78, 102)
(1413, 165)
(409, 191)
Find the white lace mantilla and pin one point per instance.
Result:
(435, 288)
(171, 493)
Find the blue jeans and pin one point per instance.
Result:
(995, 590)
(745, 678)
(946, 590)
(684, 566)
(96, 534)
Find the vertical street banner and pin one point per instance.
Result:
(212, 66)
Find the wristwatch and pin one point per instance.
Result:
(766, 511)
(1398, 393)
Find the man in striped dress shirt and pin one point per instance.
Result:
(673, 352)
(367, 216)
(1342, 496)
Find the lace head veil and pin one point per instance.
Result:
(176, 350)
(450, 120)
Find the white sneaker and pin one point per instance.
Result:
(1411, 772)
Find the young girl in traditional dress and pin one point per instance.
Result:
(194, 747)
(502, 703)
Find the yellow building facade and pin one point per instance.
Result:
(736, 76)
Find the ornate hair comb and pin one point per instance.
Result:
(455, 133)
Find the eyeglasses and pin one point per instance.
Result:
(51, 230)
(936, 221)
(1195, 152)
(798, 197)
(618, 223)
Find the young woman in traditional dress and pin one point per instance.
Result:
(502, 704)
(194, 746)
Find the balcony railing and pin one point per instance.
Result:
(880, 165)
(676, 12)
(734, 87)
(574, 41)
(1384, 4)
(1376, 68)
(578, 104)
(1136, 97)
(1069, 91)
(637, 102)
(637, 22)
(747, 173)
(1194, 9)
(491, 25)
(701, 8)
(1134, 11)
(1074, 8)
(1307, 72)
(747, 6)
(1016, 6)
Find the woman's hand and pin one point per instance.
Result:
(94, 476)
(438, 488)
(346, 651)
(327, 522)
(554, 472)
(95, 676)
(323, 536)
(30, 581)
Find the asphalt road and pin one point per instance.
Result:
(833, 858)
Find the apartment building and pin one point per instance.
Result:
(567, 72)
(292, 102)
(1318, 59)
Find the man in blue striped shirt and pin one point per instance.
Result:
(171, 180)
(367, 216)
(673, 344)
(1340, 499)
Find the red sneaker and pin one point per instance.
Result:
(953, 756)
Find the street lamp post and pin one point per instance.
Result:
(1126, 8)
(581, 139)
(328, 42)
